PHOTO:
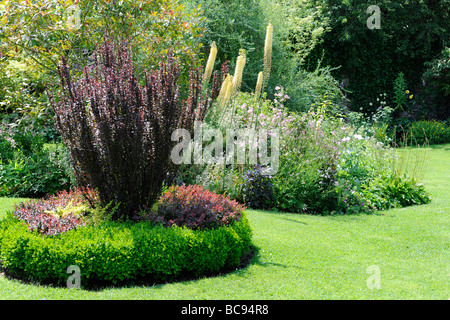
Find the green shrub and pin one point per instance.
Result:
(393, 192)
(221, 179)
(22, 97)
(28, 168)
(437, 82)
(121, 253)
(433, 131)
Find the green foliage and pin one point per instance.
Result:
(300, 29)
(305, 24)
(235, 25)
(312, 89)
(371, 60)
(362, 160)
(46, 30)
(22, 97)
(121, 253)
(29, 169)
(432, 131)
(439, 71)
(219, 178)
(436, 83)
(298, 26)
(307, 163)
(378, 125)
(393, 192)
(400, 91)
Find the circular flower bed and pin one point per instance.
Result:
(121, 252)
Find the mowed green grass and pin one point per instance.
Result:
(315, 257)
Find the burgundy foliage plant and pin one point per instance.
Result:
(118, 129)
(197, 208)
(41, 214)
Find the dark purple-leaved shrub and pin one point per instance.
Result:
(197, 208)
(118, 130)
(257, 189)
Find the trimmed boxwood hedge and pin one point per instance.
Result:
(121, 253)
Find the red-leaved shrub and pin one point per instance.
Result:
(197, 208)
(118, 127)
(41, 214)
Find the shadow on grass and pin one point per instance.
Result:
(445, 147)
(282, 215)
(293, 217)
(293, 220)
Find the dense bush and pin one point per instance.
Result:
(257, 189)
(432, 132)
(22, 96)
(196, 208)
(118, 132)
(436, 82)
(29, 168)
(385, 193)
(121, 253)
(438, 72)
(34, 36)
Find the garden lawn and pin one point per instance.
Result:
(315, 257)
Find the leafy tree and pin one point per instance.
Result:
(298, 26)
(412, 32)
(49, 29)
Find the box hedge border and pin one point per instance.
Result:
(122, 253)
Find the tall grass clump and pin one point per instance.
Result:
(411, 158)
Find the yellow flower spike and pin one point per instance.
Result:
(268, 54)
(237, 77)
(258, 86)
(223, 89)
(411, 96)
(229, 91)
(210, 64)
